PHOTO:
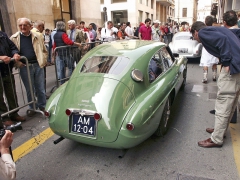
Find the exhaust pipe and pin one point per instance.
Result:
(58, 140)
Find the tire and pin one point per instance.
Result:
(184, 80)
(164, 121)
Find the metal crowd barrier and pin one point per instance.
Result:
(20, 103)
(66, 59)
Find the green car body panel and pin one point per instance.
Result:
(117, 97)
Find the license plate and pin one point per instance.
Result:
(183, 50)
(83, 124)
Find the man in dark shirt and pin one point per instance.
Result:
(7, 84)
(224, 44)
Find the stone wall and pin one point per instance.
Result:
(88, 11)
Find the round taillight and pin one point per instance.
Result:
(47, 113)
(130, 126)
(97, 116)
(68, 112)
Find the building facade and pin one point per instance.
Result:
(50, 11)
(165, 11)
(221, 6)
(96, 11)
(136, 11)
(203, 12)
(186, 11)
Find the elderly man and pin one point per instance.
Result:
(77, 36)
(74, 34)
(31, 45)
(38, 26)
(64, 54)
(156, 32)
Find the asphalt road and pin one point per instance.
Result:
(175, 156)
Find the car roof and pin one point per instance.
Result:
(139, 53)
(183, 34)
(128, 48)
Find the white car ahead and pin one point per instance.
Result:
(184, 45)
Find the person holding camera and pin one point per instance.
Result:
(7, 166)
(109, 33)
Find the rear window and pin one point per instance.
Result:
(105, 64)
(183, 38)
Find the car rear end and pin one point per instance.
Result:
(185, 45)
(94, 103)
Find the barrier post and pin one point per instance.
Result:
(14, 89)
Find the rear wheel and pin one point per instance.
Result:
(163, 125)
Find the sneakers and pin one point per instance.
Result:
(204, 80)
(205, 72)
(214, 78)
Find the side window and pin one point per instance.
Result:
(155, 67)
(167, 60)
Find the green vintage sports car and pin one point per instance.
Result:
(119, 94)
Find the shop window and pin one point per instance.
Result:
(61, 10)
(184, 12)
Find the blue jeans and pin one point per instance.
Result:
(62, 62)
(37, 79)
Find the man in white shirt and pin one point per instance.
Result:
(129, 31)
(156, 32)
(7, 166)
(108, 33)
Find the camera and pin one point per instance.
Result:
(12, 128)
